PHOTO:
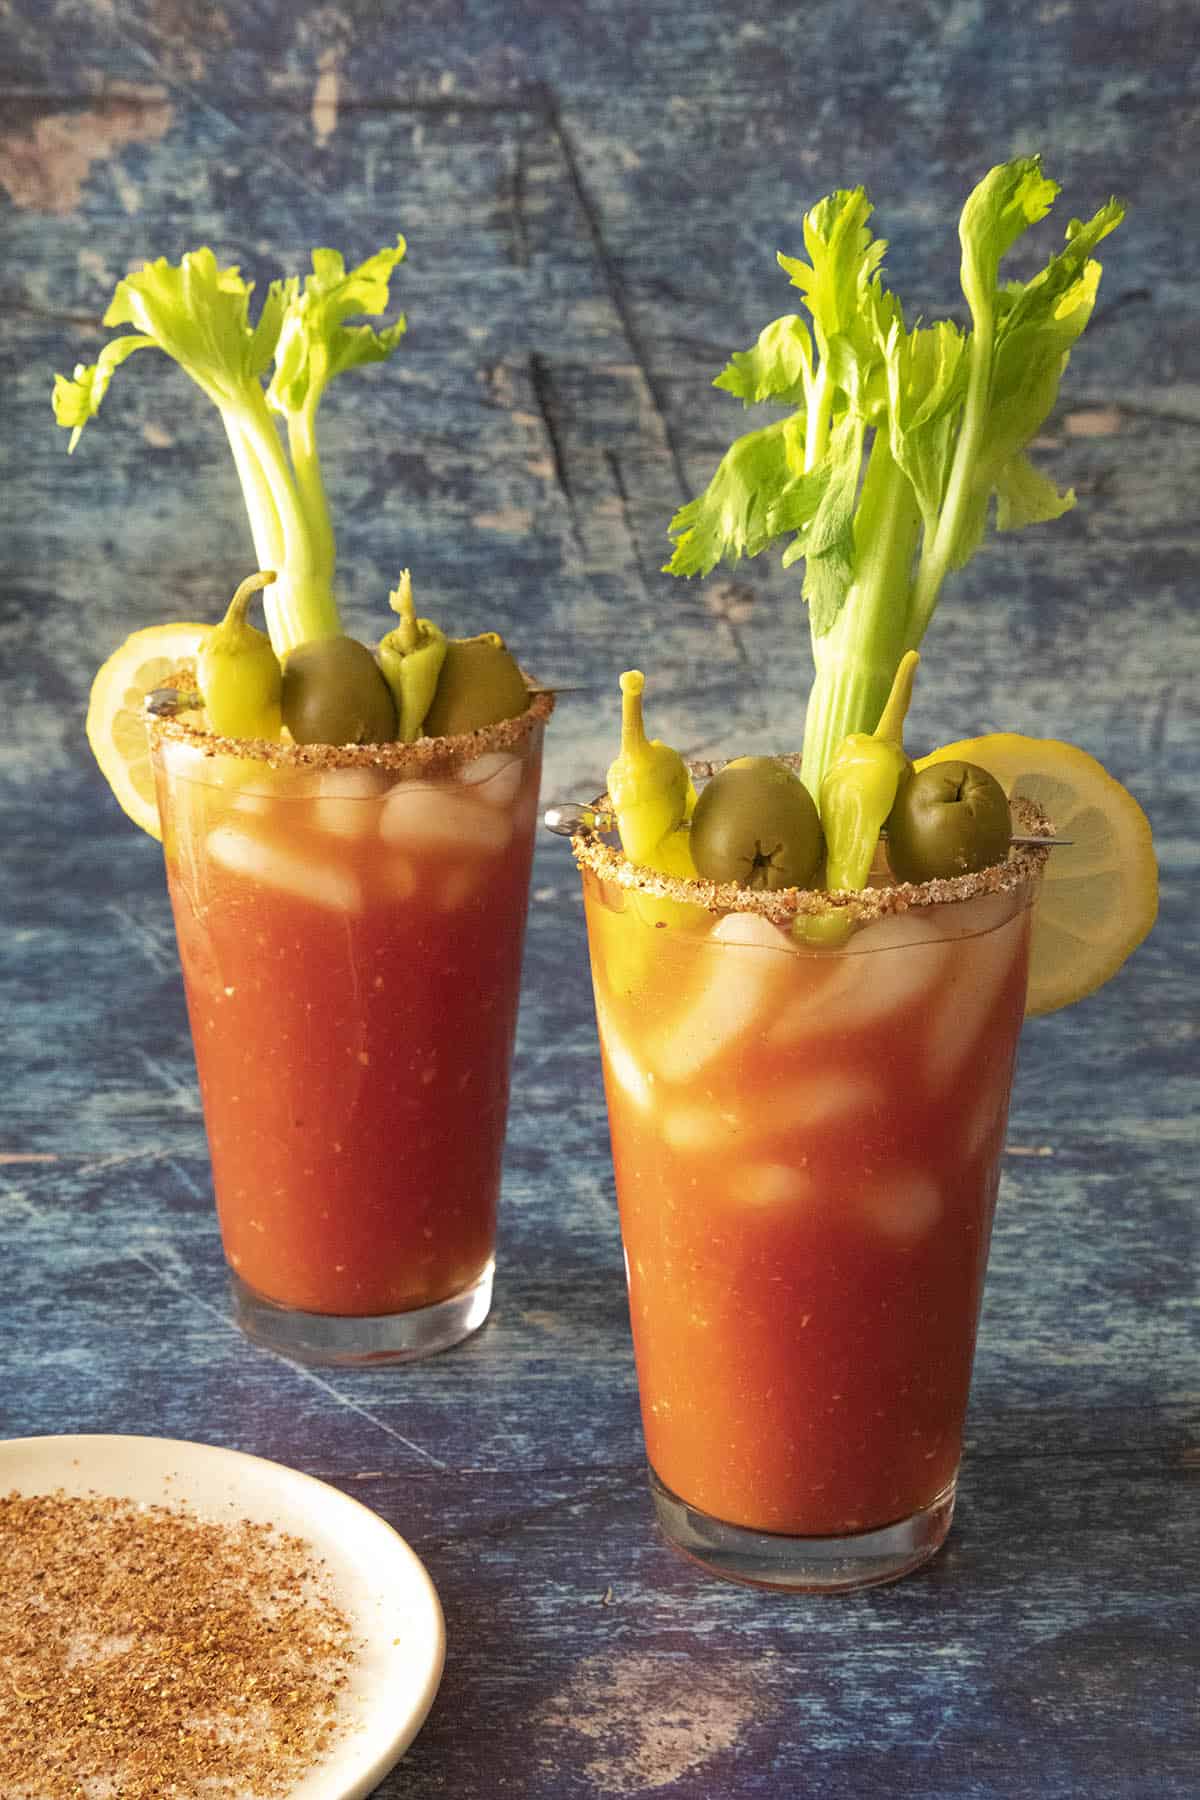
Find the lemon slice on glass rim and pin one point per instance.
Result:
(116, 721)
(1099, 894)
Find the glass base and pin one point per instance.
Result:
(375, 1338)
(819, 1565)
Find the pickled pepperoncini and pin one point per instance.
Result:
(653, 798)
(651, 791)
(238, 672)
(857, 794)
(411, 657)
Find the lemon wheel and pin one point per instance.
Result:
(1099, 895)
(116, 721)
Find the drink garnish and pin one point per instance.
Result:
(480, 684)
(197, 313)
(334, 693)
(411, 657)
(259, 373)
(755, 824)
(159, 657)
(859, 786)
(1098, 896)
(570, 818)
(238, 671)
(899, 440)
(949, 819)
(650, 789)
(652, 799)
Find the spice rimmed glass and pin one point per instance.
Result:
(806, 1145)
(350, 925)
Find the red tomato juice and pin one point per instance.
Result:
(352, 962)
(806, 1148)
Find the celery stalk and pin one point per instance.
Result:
(943, 419)
(198, 314)
(856, 659)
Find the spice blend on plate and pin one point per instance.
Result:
(148, 1652)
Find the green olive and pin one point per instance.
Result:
(950, 819)
(480, 683)
(755, 823)
(335, 693)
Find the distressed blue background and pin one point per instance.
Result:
(593, 194)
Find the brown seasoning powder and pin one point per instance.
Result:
(425, 757)
(147, 1653)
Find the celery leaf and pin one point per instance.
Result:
(778, 366)
(77, 397)
(844, 257)
(1038, 324)
(926, 378)
(827, 544)
(1024, 496)
(795, 506)
(730, 518)
(1055, 291)
(316, 343)
(1010, 198)
(198, 313)
(280, 296)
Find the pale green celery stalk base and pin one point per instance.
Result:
(299, 605)
(846, 696)
(856, 660)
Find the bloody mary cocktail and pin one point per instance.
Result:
(806, 1145)
(350, 926)
(810, 976)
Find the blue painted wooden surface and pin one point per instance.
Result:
(593, 194)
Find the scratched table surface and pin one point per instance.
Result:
(593, 194)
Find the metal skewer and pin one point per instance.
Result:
(571, 816)
(165, 702)
(565, 819)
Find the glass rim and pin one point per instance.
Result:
(437, 755)
(782, 906)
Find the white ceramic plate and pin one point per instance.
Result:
(377, 1579)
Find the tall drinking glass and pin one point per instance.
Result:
(806, 1145)
(350, 924)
